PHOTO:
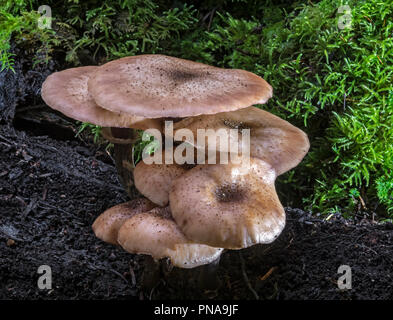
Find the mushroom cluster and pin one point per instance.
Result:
(190, 212)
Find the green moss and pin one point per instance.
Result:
(20, 23)
(335, 84)
(94, 129)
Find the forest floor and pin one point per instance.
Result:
(52, 189)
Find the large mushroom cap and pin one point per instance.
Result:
(155, 233)
(67, 92)
(107, 225)
(230, 206)
(154, 181)
(155, 86)
(272, 139)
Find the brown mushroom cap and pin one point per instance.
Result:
(107, 225)
(155, 86)
(272, 139)
(67, 92)
(229, 206)
(155, 233)
(154, 181)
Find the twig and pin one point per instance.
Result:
(267, 274)
(23, 110)
(48, 206)
(133, 278)
(10, 236)
(154, 288)
(368, 248)
(245, 277)
(31, 206)
(93, 267)
(6, 144)
(120, 275)
(7, 140)
(211, 18)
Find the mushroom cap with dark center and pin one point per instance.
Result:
(155, 86)
(155, 233)
(229, 206)
(67, 92)
(272, 139)
(107, 225)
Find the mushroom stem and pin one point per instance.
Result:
(208, 277)
(122, 153)
(123, 133)
(205, 276)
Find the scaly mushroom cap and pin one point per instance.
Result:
(155, 86)
(155, 233)
(229, 206)
(272, 139)
(107, 225)
(67, 92)
(154, 181)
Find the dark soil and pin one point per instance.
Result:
(52, 190)
(22, 85)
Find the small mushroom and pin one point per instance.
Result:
(230, 206)
(272, 139)
(154, 180)
(156, 86)
(107, 225)
(155, 233)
